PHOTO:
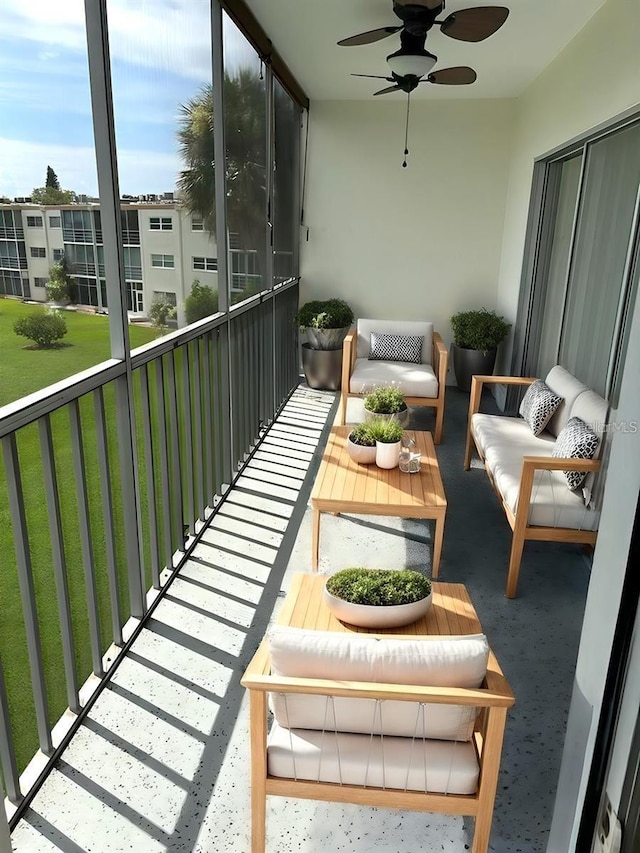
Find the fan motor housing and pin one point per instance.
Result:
(417, 20)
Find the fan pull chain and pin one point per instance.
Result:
(406, 133)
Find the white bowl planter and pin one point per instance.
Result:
(376, 616)
(387, 454)
(360, 453)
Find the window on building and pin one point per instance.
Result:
(58, 255)
(130, 227)
(38, 252)
(55, 222)
(161, 223)
(165, 296)
(163, 261)
(135, 297)
(40, 282)
(34, 222)
(197, 222)
(208, 264)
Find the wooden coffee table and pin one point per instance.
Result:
(344, 486)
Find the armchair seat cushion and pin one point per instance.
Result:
(504, 442)
(414, 380)
(359, 759)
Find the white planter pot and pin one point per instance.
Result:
(387, 454)
(402, 416)
(370, 616)
(361, 454)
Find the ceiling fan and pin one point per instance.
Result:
(411, 65)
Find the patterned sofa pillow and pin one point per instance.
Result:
(396, 348)
(577, 441)
(538, 405)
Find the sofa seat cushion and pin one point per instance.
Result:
(358, 759)
(394, 327)
(429, 661)
(414, 380)
(504, 442)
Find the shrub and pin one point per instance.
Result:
(160, 312)
(380, 587)
(202, 302)
(386, 430)
(384, 400)
(42, 327)
(480, 330)
(361, 434)
(324, 314)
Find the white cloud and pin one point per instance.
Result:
(170, 35)
(140, 171)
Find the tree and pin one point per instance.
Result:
(160, 312)
(52, 181)
(246, 158)
(43, 327)
(202, 302)
(60, 287)
(51, 192)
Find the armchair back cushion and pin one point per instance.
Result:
(394, 327)
(438, 661)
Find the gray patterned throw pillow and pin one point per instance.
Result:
(577, 441)
(538, 405)
(396, 348)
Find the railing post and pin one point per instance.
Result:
(7, 753)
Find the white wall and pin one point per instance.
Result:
(402, 243)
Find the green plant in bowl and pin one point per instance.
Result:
(384, 400)
(379, 587)
(361, 434)
(385, 430)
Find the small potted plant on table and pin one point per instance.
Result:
(361, 444)
(476, 336)
(325, 323)
(388, 437)
(378, 598)
(386, 401)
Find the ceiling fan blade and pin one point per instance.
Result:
(388, 89)
(369, 37)
(474, 24)
(374, 76)
(460, 75)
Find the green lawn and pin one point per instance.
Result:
(23, 371)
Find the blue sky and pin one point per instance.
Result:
(160, 57)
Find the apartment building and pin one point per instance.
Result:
(165, 249)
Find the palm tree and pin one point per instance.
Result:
(245, 134)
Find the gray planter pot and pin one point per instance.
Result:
(326, 339)
(466, 362)
(402, 416)
(322, 368)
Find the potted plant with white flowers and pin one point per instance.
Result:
(386, 401)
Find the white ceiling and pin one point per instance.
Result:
(305, 34)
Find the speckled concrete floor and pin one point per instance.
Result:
(162, 762)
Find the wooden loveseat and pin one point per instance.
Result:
(422, 384)
(527, 479)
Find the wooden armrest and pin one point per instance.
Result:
(440, 361)
(552, 463)
(348, 359)
(531, 464)
(374, 690)
(478, 380)
(259, 663)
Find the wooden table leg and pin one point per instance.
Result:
(315, 540)
(438, 534)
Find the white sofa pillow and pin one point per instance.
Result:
(429, 661)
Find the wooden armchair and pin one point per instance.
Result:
(524, 475)
(423, 384)
(402, 772)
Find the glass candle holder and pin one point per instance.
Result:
(415, 460)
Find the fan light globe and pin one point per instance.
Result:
(411, 64)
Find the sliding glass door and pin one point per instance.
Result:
(587, 239)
